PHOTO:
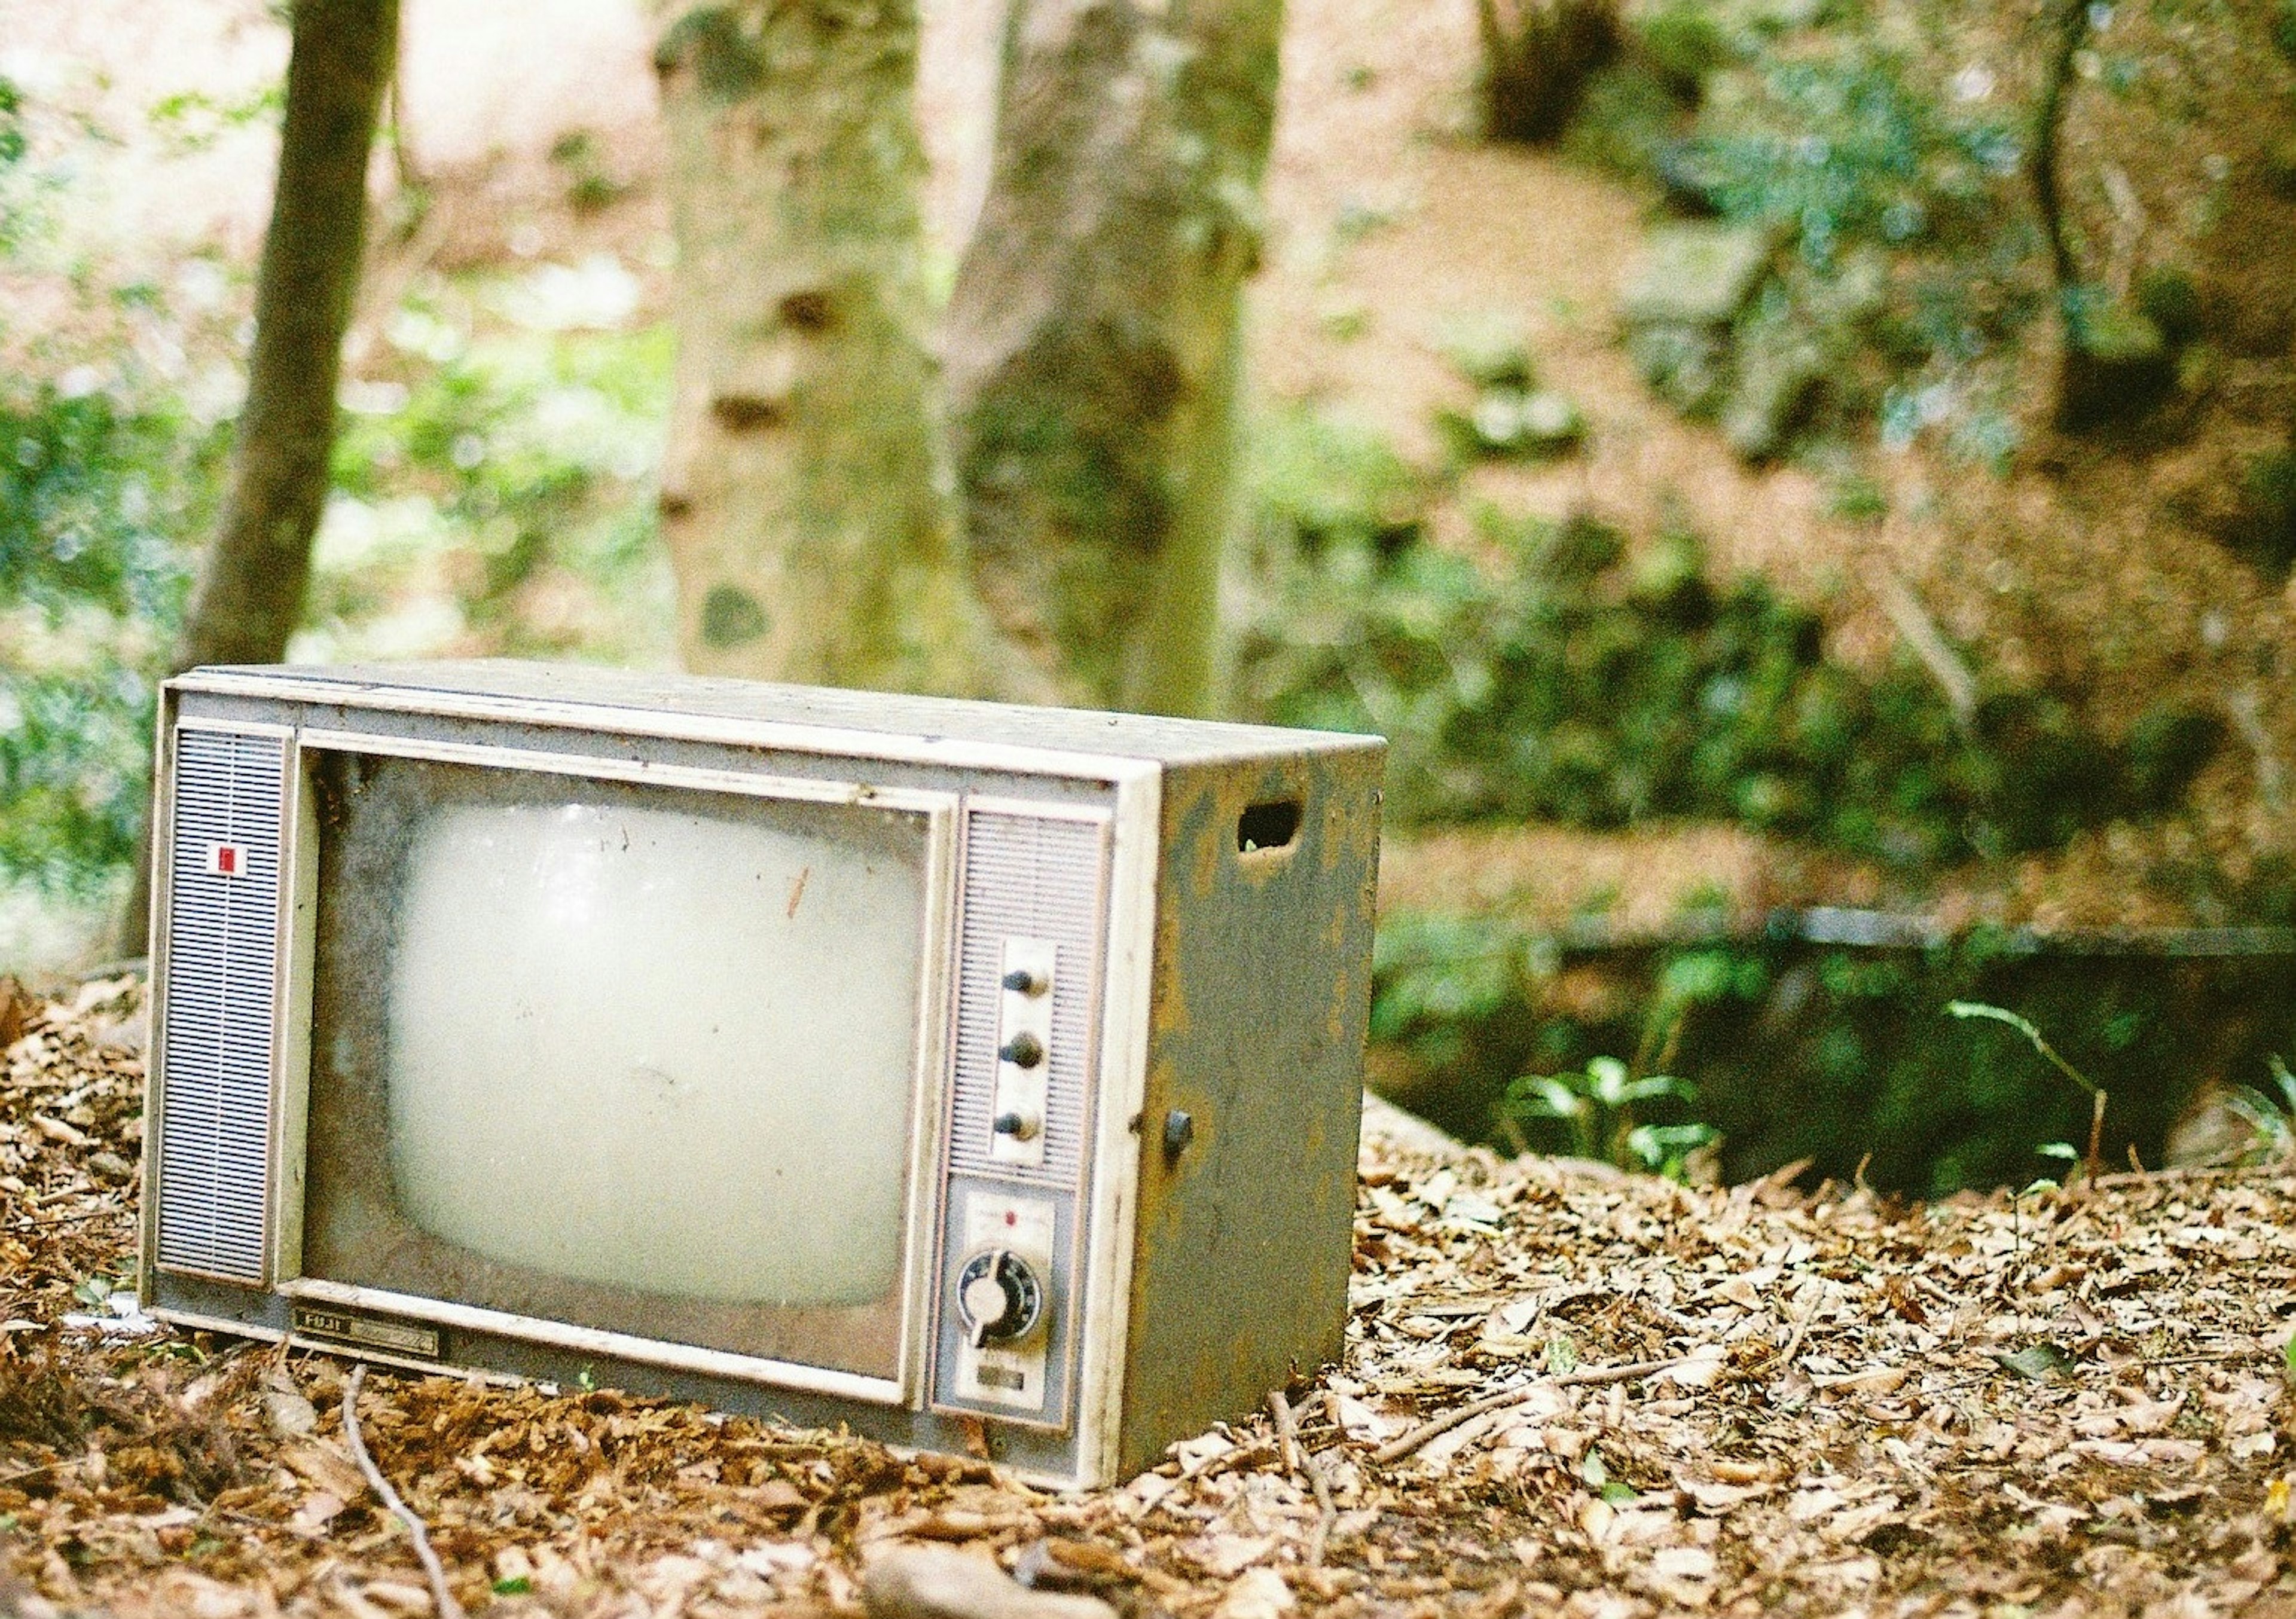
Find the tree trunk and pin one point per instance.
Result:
(1092, 343)
(809, 518)
(251, 588)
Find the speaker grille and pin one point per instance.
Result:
(223, 967)
(1038, 879)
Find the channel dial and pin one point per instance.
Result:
(1000, 1297)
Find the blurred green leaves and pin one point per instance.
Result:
(95, 494)
(1602, 1111)
(1559, 674)
(498, 497)
(103, 474)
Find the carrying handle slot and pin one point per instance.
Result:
(1266, 827)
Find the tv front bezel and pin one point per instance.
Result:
(285, 1164)
(985, 752)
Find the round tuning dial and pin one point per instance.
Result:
(999, 1296)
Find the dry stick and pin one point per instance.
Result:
(1927, 642)
(1287, 1432)
(1396, 1449)
(449, 1608)
(1802, 1328)
(1299, 1459)
(2168, 1174)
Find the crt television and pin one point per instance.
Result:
(985, 1078)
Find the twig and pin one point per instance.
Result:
(1396, 1449)
(1299, 1459)
(45, 1466)
(1802, 1328)
(1928, 643)
(1287, 1431)
(81, 1219)
(449, 1608)
(2169, 1174)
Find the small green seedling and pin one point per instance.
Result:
(2024, 1026)
(1597, 1108)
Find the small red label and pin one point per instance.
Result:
(226, 859)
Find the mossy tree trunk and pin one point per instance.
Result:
(253, 582)
(1093, 338)
(803, 498)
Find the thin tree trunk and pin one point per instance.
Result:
(1094, 336)
(250, 592)
(2070, 23)
(251, 588)
(810, 522)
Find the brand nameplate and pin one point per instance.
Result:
(365, 1331)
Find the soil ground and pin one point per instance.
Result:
(1742, 1402)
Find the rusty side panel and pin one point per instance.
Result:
(1262, 993)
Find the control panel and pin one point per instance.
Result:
(1030, 954)
(1003, 1299)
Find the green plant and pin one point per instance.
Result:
(1840, 145)
(103, 473)
(1564, 675)
(1912, 262)
(2270, 1115)
(2025, 1026)
(512, 467)
(1600, 1112)
(1825, 1053)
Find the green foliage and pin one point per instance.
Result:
(1841, 147)
(1683, 41)
(94, 494)
(1824, 1052)
(103, 474)
(726, 57)
(1572, 679)
(1912, 259)
(2168, 296)
(2263, 528)
(2270, 1114)
(513, 468)
(191, 121)
(497, 499)
(20, 214)
(1628, 116)
(1602, 1111)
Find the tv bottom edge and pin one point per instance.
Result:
(427, 1347)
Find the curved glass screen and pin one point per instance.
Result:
(633, 1058)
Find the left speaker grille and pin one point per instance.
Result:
(222, 968)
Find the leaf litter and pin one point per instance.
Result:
(1565, 1390)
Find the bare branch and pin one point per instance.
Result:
(449, 1608)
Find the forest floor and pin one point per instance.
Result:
(1746, 1401)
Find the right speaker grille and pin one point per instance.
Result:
(1037, 878)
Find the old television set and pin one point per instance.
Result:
(976, 1076)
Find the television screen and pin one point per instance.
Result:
(633, 1057)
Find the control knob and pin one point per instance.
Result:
(999, 1296)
